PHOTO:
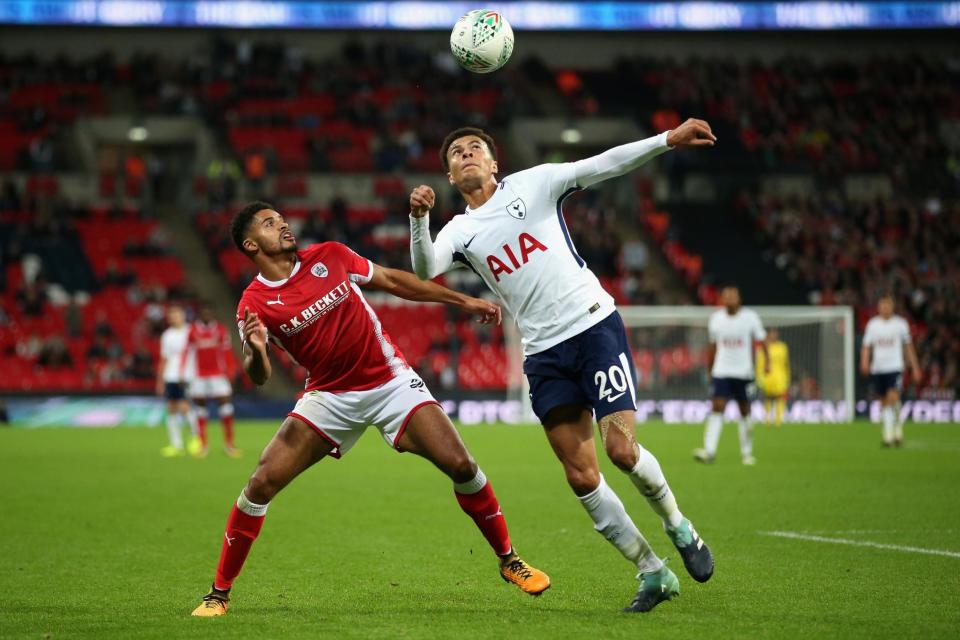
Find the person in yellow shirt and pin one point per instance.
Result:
(776, 383)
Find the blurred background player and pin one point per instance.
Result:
(576, 354)
(886, 339)
(733, 332)
(208, 347)
(310, 304)
(774, 379)
(172, 377)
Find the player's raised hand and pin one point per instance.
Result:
(254, 332)
(486, 312)
(422, 200)
(692, 133)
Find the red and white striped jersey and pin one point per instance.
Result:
(320, 317)
(210, 346)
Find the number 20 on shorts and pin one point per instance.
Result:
(618, 377)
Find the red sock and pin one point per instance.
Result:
(202, 429)
(227, 430)
(242, 530)
(483, 507)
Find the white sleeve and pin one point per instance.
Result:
(868, 335)
(759, 333)
(618, 160)
(429, 259)
(905, 326)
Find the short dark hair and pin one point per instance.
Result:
(241, 222)
(460, 133)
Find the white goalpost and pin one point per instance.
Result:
(670, 349)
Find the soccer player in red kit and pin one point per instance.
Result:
(209, 345)
(309, 302)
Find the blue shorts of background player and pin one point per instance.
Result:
(175, 391)
(732, 389)
(593, 368)
(882, 383)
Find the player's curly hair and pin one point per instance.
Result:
(461, 132)
(241, 222)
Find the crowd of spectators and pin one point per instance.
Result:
(829, 118)
(848, 252)
(54, 306)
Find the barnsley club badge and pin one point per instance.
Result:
(517, 209)
(319, 270)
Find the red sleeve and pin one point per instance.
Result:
(359, 268)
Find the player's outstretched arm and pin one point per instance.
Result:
(256, 361)
(627, 157)
(429, 258)
(403, 284)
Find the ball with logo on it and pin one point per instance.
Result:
(482, 41)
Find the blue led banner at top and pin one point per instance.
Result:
(601, 16)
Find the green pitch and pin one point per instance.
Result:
(101, 538)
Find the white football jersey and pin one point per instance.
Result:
(734, 336)
(886, 338)
(518, 243)
(173, 344)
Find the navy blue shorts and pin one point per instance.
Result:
(732, 389)
(594, 369)
(175, 391)
(884, 382)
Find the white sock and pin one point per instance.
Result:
(898, 424)
(173, 431)
(648, 477)
(745, 428)
(889, 420)
(470, 487)
(711, 436)
(613, 523)
(251, 508)
(191, 418)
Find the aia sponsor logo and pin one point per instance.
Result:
(527, 245)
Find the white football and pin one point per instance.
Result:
(482, 41)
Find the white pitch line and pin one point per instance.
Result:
(862, 543)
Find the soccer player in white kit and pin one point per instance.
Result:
(172, 379)
(577, 359)
(885, 340)
(733, 332)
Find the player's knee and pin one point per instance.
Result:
(461, 467)
(583, 481)
(260, 488)
(621, 452)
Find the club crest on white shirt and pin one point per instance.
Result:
(517, 209)
(319, 270)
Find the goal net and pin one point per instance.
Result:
(670, 353)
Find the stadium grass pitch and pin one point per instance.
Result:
(103, 538)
